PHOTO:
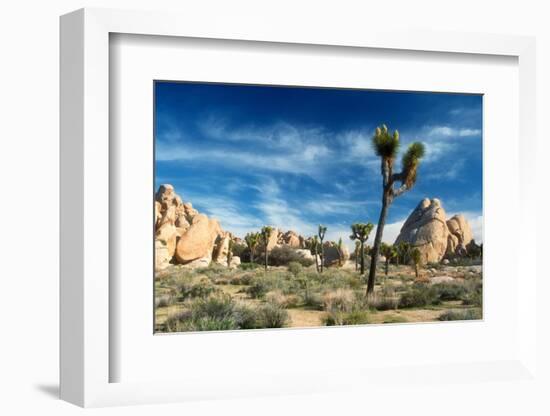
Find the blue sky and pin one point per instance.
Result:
(297, 157)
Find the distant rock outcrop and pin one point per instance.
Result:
(427, 229)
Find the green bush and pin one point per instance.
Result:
(272, 316)
(249, 266)
(460, 315)
(209, 324)
(450, 291)
(212, 270)
(245, 316)
(419, 295)
(260, 285)
(355, 317)
(202, 289)
(220, 312)
(244, 279)
(473, 299)
(283, 255)
(312, 299)
(295, 268)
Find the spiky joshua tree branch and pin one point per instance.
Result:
(386, 146)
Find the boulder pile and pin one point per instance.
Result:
(185, 236)
(428, 229)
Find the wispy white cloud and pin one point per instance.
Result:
(448, 131)
(229, 213)
(307, 161)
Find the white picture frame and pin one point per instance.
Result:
(86, 353)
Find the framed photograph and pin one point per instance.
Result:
(297, 172)
(276, 212)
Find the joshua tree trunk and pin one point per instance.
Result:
(266, 254)
(316, 258)
(378, 240)
(322, 255)
(251, 256)
(387, 265)
(416, 270)
(356, 261)
(362, 258)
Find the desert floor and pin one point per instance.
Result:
(217, 298)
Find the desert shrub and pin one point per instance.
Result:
(473, 299)
(164, 300)
(278, 298)
(245, 316)
(383, 301)
(215, 313)
(212, 270)
(249, 266)
(312, 299)
(283, 255)
(202, 289)
(272, 316)
(260, 285)
(221, 306)
(450, 291)
(176, 322)
(339, 279)
(419, 295)
(208, 323)
(465, 261)
(341, 300)
(355, 317)
(460, 315)
(295, 268)
(395, 319)
(243, 279)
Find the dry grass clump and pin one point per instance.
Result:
(341, 300)
(278, 298)
(165, 300)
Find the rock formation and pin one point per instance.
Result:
(184, 236)
(427, 229)
(291, 239)
(460, 235)
(333, 256)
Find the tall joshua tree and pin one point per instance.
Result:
(360, 232)
(358, 252)
(321, 233)
(386, 146)
(416, 257)
(252, 240)
(266, 233)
